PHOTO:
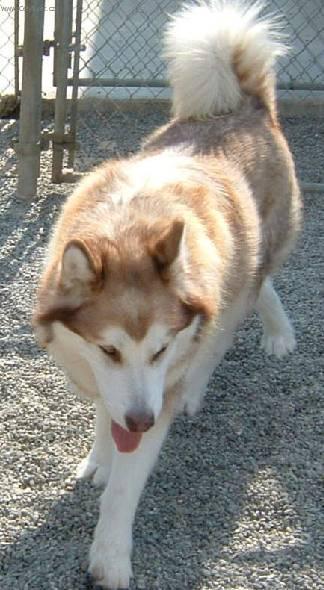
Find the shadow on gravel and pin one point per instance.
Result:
(8, 135)
(25, 228)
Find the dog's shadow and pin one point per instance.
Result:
(235, 489)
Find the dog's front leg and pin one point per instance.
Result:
(98, 461)
(278, 334)
(203, 365)
(110, 553)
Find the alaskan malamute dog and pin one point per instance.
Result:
(156, 259)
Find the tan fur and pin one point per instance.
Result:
(260, 86)
(157, 258)
(240, 208)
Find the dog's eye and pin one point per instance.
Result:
(158, 354)
(112, 352)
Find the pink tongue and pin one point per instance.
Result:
(126, 442)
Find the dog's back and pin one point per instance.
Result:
(250, 143)
(221, 58)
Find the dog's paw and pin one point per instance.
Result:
(89, 468)
(86, 468)
(192, 406)
(101, 476)
(110, 568)
(279, 343)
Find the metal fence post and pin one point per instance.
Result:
(63, 39)
(75, 86)
(28, 148)
(16, 35)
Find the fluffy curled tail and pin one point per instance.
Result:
(219, 50)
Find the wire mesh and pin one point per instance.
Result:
(123, 42)
(122, 61)
(8, 64)
(303, 67)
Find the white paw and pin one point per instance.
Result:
(279, 343)
(110, 567)
(101, 476)
(90, 468)
(192, 405)
(86, 468)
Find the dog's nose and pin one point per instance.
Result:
(139, 421)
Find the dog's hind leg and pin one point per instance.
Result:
(98, 461)
(110, 553)
(278, 334)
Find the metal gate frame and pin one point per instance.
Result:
(67, 41)
(31, 140)
(28, 147)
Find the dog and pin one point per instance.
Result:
(156, 259)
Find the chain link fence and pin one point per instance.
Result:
(123, 42)
(9, 62)
(121, 62)
(108, 74)
(303, 68)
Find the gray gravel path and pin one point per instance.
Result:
(235, 502)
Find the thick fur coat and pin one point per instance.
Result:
(156, 259)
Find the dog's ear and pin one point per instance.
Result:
(81, 266)
(165, 243)
(67, 285)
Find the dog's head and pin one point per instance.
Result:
(132, 307)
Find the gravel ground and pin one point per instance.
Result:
(235, 500)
